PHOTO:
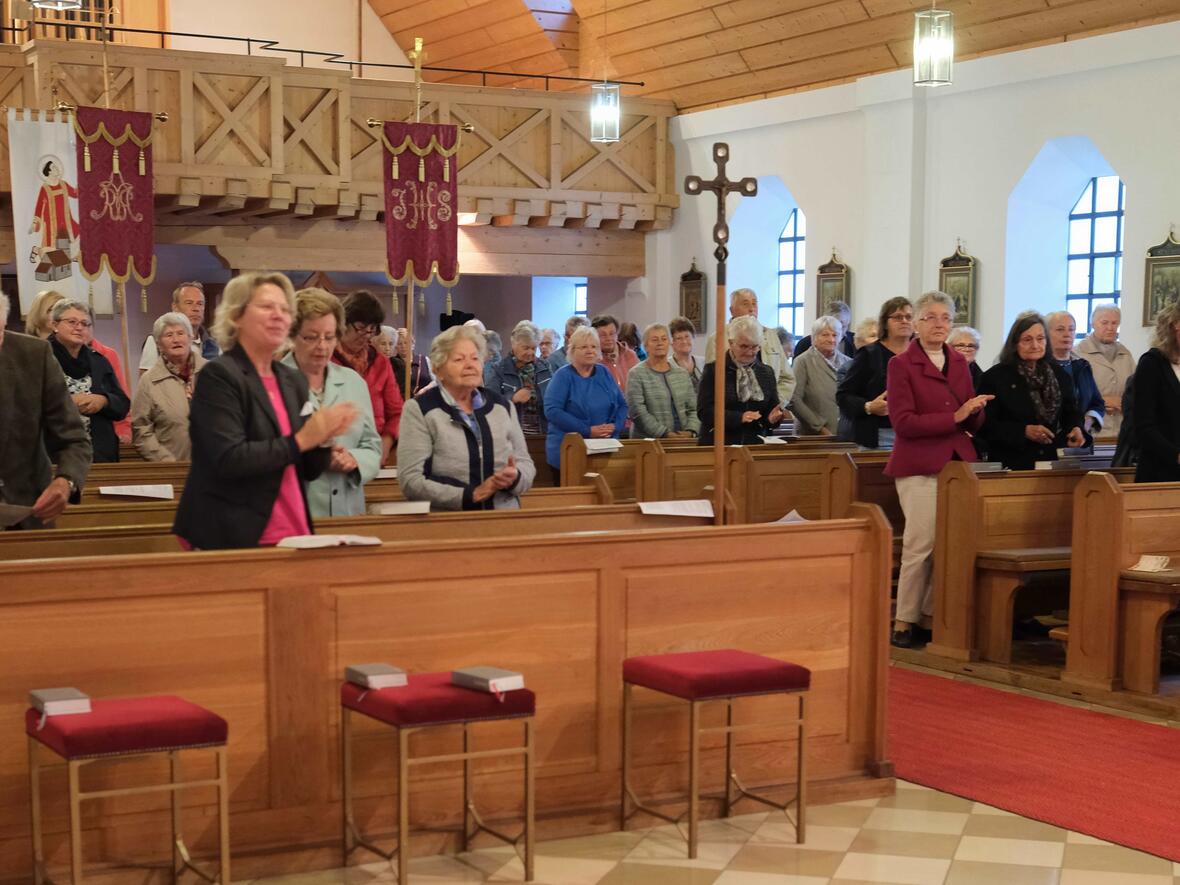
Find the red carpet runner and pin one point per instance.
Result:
(1112, 778)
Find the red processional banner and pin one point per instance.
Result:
(116, 210)
(421, 199)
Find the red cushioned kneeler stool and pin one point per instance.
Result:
(429, 700)
(120, 728)
(701, 676)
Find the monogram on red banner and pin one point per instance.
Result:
(421, 218)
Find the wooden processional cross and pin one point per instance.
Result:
(722, 187)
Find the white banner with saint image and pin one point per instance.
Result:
(43, 159)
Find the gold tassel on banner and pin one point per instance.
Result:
(115, 162)
(421, 168)
(448, 302)
(142, 163)
(447, 169)
(86, 158)
(120, 293)
(90, 296)
(143, 296)
(422, 303)
(393, 166)
(395, 307)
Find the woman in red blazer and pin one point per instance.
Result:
(934, 411)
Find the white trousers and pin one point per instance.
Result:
(915, 592)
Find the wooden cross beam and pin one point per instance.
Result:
(721, 186)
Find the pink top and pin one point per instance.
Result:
(288, 516)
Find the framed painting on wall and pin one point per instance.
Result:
(692, 297)
(833, 283)
(1161, 281)
(956, 277)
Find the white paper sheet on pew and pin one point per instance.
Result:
(697, 508)
(11, 514)
(773, 440)
(163, 492)
(315, 542)
(399, 508)
(603, 445)
(793, 516)
(1149, 563)
(387, 473)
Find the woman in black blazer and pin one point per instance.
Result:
(1034, 411)
(861, 395)
(256, 437)
(1157, 402)
(752, 406)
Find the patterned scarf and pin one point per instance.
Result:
(748, 387)
(530, 417)
(184, 373)
(1044, 391)
(357, 360)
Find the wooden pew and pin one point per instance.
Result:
(994, 531)
(767, 482)
(113, 512)
(158, 537)
(618, 468)
(1115, 614)
(262, 636)
(859, 476)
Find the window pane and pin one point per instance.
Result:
(800, 285)
(801, 256)
(1079, 236)
(789, 230)
(1078, 307)
(1079, 276)
(1103, 275)
(1122, 227)
(784, 317)
(1106, 232)
(802, 223)
(1108, 194)
(1085, 201)
(798, 329)
(786, 256)
(1118, 274)
(785, 289)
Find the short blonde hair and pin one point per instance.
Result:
(236, 298)
(444, 343)
(655, 327)
(1165, 332)
(311, 304)
(39, 317)
(582, 335)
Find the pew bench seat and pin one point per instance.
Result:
(1145, 600)
(998, 575)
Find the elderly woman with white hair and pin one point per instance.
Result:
(967, 341)
(814, 403)
(752, 407)
(522, 378)
(159, 410)
(660, 396)
(1111, 362)
(461, 447)
(1062, 337)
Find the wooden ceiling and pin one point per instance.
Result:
(706, 53)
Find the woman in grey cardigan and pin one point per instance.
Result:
(461, 447)
(660, 396)
(814, 402)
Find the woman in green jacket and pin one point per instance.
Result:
(660, 395)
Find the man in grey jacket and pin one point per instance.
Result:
(38, 422)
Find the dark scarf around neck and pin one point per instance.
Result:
(75, 366)
(1044, 391)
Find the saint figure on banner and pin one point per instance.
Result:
(53, 218)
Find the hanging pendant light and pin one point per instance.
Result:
(57, 5)
(934, 47)
(604, 100)
(604, 112)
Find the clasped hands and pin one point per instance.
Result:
(776, 415)
(497, 482)
(1041, 434)
(972, 406)
(89, 403)
(324, 424)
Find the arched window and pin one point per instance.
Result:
(792, 269)
(1095, 275)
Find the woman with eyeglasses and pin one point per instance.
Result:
(934, 411)
(861, 394)
(966, 340)
(1034, 411)
(355, 453)
(363, 316)
(90, 378)
(752, 407)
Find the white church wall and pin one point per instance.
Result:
(892, 176)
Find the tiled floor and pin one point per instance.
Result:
(917, 837)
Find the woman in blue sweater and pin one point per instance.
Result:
(582, 398)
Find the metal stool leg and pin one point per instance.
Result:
(178, 859)
(626, 784)
(347, 841)
(728, 801)
(465, 839)
(530, 797)
(75, 825)
(694, 773)
(403, 805)
(35, 812)
(801, 792)
(223, 813)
